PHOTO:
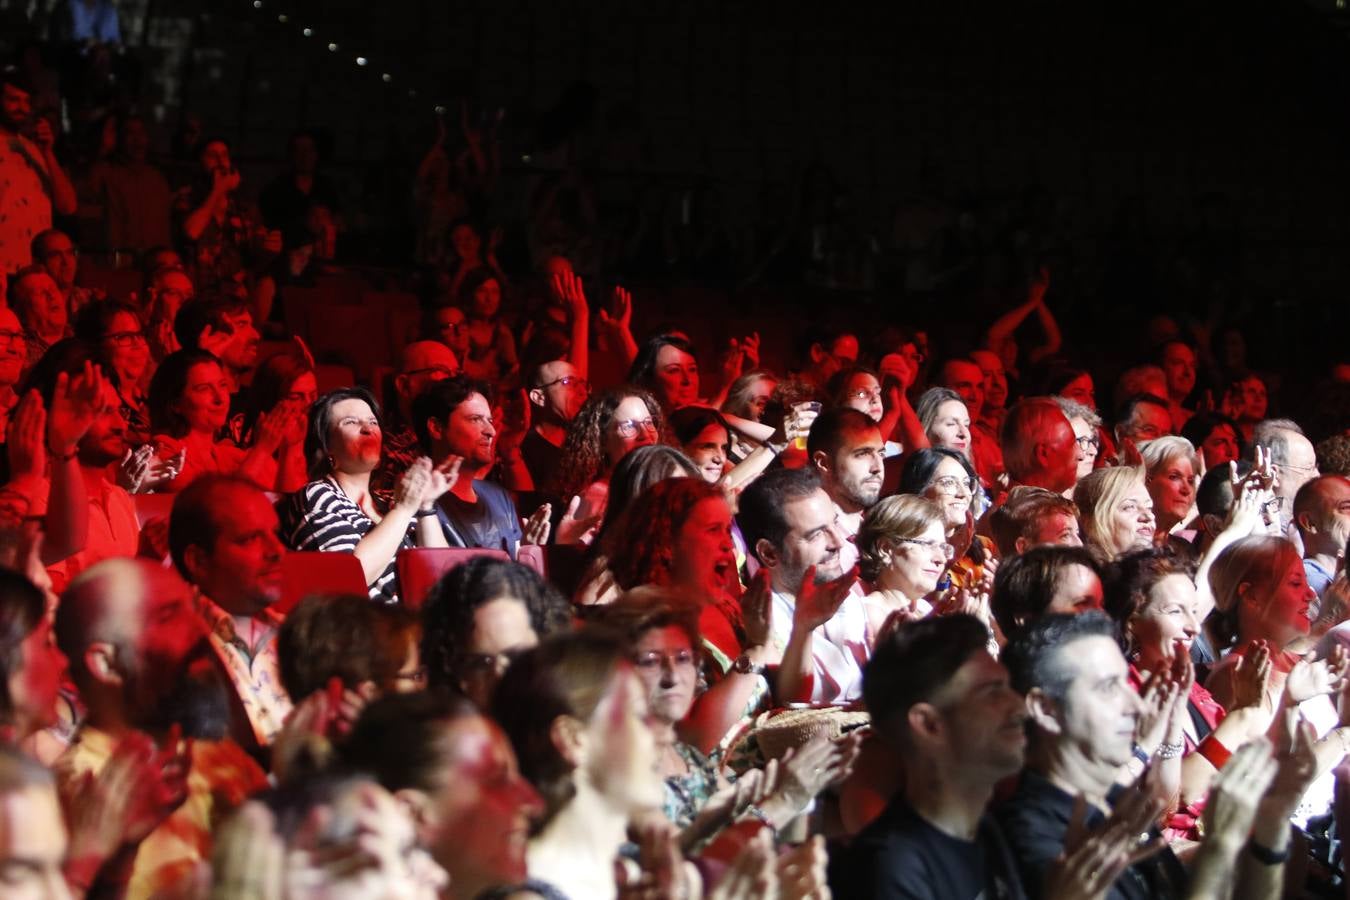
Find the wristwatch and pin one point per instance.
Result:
(743, 666)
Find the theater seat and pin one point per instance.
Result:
(305, 572)
(420, 569)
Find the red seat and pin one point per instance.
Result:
(420, 569)
(306, 572)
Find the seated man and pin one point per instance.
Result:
(556, 394)
(13, 361)
(1322, 516)
(222, 325)
(422, 363)
(818, 628)
(141, 662)
(1044, 580)
(1039, 447)
(54, 251)
(37, 301)
(846, 448)
(1032, 516)
(1084, 718)
(1143, 417)
(223, 540)
(454, 418)
(941, 701)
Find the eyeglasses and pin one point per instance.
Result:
(629, 427)
(950, 484)
(865, 395)
(1273, 505)
(566, 381)
(947, 550)
(1088, 440)
(1312, 468)
(127, 338)
(12, 337)
(417, 677)
(680, 659)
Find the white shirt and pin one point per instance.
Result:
(838, 648)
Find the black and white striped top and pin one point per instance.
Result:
(320, 516)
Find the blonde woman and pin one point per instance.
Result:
(903, 551)
(1173, 471)
(1115, 511)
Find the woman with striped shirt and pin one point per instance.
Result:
(336, 511)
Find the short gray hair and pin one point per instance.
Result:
(1273, 434)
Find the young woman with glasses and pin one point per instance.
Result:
(609, 426)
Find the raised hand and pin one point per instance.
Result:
(817, 603)
(1312, 678)
(535, 529)
(568, 289)
(440, 478)
(214, 342)
(76, 402)
(1092, 861)
(811, 768)
(1040, 283)
(621, 318)
(413, 485)
(27, 447)
(572, 530)
(1237, 792)
(1251, 676)
(757, 610)
(1156, 700)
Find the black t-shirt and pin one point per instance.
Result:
(541, 458)
(491, 522)
(900, 856)
(1035, 819)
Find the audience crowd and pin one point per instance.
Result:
(539, 608)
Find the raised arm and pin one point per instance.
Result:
(64, 200)
(567, 288)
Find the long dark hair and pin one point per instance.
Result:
(271, 383)
(166, 389)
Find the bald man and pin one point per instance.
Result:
(140, 657)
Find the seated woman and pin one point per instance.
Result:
(31, 705)
(902, 553)
(284, 381)
(452, 766)
(576, 714)
(666, 366)
(491, 346)
(861, 389)
(677, 534)
(705, 437)
(1261, 597)
(1151, 595)
(1045, 579)
(661, 634)
(747, 397)
(480, 616)
(336, 511)
(947, 478)
(1115, 510)
(116, 332)
(945, 420)
(1172, 473)
(607, 428)
(636, 472)
(189, 403)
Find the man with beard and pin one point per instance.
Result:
(142, 662)
(97, 436)
(847, 450)
(32, 182)
(818, 628)
(223, 540)
(453, 417)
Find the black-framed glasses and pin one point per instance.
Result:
(566, 381)
(1087, 441)
(127, 338)
(12, 337)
